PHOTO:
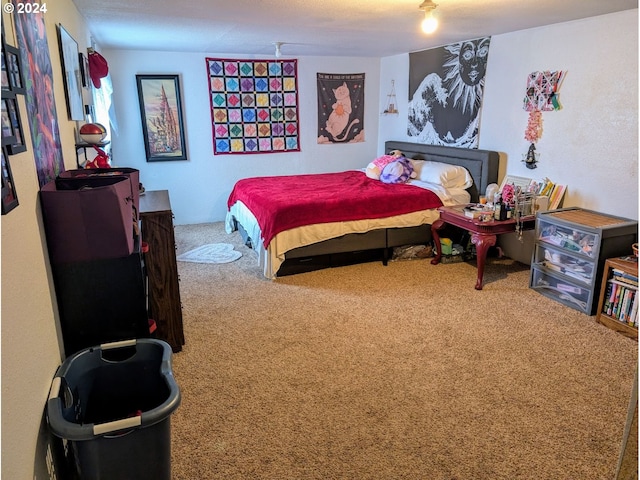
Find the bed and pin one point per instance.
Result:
(302, 239)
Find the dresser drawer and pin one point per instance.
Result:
(563, 290)
(571, 240)
(561, 261)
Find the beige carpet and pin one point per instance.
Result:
(397, 372)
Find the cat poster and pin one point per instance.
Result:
(446, 85)
(340, 108)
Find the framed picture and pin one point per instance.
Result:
(13, 113)
(6, 86)
(9, 196)
(71, 72)
(161, 112)
(14, 69)
(8, 138)
(84, 70)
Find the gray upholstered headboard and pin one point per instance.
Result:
(482, 164)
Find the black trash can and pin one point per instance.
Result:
(113, 404)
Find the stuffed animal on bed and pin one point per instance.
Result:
(374, 169)
(398, 171)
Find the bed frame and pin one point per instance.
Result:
(356, 247)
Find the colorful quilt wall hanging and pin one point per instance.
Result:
(254, 105)
(340, 108)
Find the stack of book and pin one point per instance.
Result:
(621, 299)
(554, 191)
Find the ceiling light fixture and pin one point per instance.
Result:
(430, 23)
(278, 51)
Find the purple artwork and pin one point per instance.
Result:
(41, 105)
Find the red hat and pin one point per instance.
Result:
(98, 68)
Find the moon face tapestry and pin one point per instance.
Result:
(446, 85)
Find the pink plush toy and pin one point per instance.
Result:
(374, 169)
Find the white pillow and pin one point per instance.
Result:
(449, 176)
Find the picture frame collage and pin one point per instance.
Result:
(12, 85)
(13, 140)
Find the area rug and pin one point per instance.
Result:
(211, 253)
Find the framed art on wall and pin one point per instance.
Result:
(9, 196)
(14, 69)
(161, 115)
(8, 137)
(254, 105)
(84, 69)
(446, 87)
(41, 115)
(6, 87)
(18, 145)
(71, 72)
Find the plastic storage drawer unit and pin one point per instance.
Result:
(113, 404)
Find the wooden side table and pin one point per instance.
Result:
(483, 234)
(165, 308)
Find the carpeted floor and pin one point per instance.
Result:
(396, 372)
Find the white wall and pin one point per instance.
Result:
(199, 187)
(31, 351)
(591, 144)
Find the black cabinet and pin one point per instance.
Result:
(101, 301)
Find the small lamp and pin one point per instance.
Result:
(430, 23)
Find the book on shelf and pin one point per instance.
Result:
(612, 298)
(627, 307)
(620, 301)
(616, 302)
(546, 187)
(623, 283)
(633, 315)
(607, 297)
(624, 305)
(624, 276)
(555, 196)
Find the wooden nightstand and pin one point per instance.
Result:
(609, 316)
(483, 234)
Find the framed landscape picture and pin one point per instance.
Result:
(161, 114)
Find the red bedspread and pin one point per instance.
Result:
(284, 202)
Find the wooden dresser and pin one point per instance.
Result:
(156, 222)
